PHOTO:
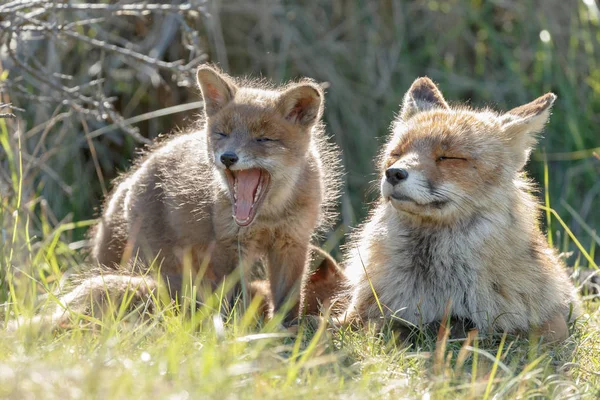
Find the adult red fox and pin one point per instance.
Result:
(456, 223)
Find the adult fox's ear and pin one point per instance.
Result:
(521, 125)
(423, 95)
(217, 89)
(302, 104)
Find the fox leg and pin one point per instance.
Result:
(286, 265)
(324, 284)
(261, 288)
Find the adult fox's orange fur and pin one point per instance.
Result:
(253, 183)
(457, 223)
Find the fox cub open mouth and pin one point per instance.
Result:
(248, 189)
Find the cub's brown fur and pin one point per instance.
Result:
(260, 155)
(457, 223)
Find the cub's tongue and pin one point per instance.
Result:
(247, 183)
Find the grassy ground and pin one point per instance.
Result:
(56, 162)
(170, 355)
(199, 355)
(173, 358)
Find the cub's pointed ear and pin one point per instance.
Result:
(521, 125)
(302, 104)
(217, 89)
(423, 95)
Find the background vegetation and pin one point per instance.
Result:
(89, 84)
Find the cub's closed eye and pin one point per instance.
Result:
(444, 158)
(221, 134)
(264, 139)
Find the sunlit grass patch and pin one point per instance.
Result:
(185, 349)
(490, 53)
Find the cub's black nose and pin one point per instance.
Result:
(396, 175)
(228, 159)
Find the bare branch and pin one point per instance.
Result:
(196, 6)
(74, 68)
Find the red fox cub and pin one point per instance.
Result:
(252, 183)
(456, 223)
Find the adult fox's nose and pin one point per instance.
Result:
(396, 175)
(228, 159)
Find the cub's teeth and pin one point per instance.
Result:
(258, 189)
(235, 187)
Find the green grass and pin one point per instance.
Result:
(487, 53)
(199, 354)
(169, 354)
